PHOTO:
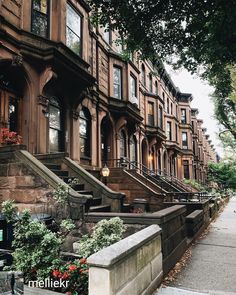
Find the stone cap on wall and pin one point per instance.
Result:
(109, 256)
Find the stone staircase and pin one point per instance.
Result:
(94, 204)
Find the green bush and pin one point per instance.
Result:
(105, 233)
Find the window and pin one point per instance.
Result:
(160, 117)
(150, 83)
(73, 30)
(143, 75)
(151, 113)
(176, 132)
(168, 106)
(55, 125)
(186, 168)
(133, 149)
(133, 90)
(84, 133)
(107, 34)
(123, 150)
(40, 18)
(184, 140)
(156, 88)
(171, 108)
(183, 116)
(168, 131)
(117, 82)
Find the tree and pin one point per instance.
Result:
(223, 173)
(197, 34)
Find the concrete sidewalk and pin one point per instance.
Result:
(212, 268)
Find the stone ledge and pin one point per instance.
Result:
(107, 257)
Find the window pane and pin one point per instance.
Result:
(39, 24)
(117, 82)
(73, 20)
(55, 118)
(54, 140)
(40, 5)
(72, 41)
(83, 127)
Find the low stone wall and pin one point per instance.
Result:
(172, 222)
(192, 206)
(37, 291)
(131, 266)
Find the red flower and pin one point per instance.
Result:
(72, 267)
(65, 275)
(83, 261)
(69, 293)
(56, 273)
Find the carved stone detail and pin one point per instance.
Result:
(17, 61)
(75, 114)
(43, 100)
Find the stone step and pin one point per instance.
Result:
(78, 187)
(85, 192)
(100, 208)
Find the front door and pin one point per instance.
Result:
(55, 126)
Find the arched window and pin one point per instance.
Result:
(133, 148)
(143, 75)
(123, 150)
(85, 133)
(55, 125)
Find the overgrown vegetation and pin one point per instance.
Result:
(36, 249)
(105, 233)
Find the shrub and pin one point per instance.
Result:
(105, 233)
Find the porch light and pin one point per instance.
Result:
(105, 172)
(150, 158)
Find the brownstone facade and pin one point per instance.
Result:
(65, 87)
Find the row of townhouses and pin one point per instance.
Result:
(65, 87)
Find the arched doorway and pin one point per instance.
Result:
(13, 98)
(106, 141)
(133, 149)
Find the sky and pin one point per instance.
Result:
(201, 91)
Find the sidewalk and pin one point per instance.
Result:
(212, 268)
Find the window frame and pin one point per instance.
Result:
(81, 28)
(169, 130)
(86, 117)
(151, 121)
(47, 16)
(183, 117)
(160, 116)
(121, 81)
(185, 147)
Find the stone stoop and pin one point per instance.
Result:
(134, 188)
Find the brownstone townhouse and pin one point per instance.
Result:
(66, 88)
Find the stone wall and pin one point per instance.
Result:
(172, 222)
(131, 266)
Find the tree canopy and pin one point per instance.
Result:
(223, 173)
(199, 35)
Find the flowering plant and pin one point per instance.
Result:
(75, 273)
(9, 137)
